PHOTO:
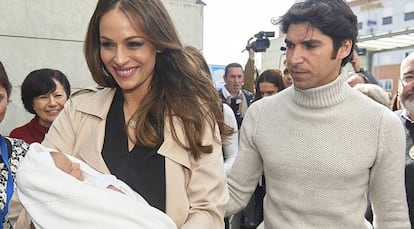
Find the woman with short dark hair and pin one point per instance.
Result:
(43, 92)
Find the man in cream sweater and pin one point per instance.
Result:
(321, 144)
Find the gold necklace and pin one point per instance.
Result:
(132, 123)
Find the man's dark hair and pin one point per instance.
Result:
(333, 18)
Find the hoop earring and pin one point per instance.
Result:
(106, 73)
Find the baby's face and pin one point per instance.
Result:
(66, 165)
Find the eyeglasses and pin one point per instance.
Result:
(407, 79)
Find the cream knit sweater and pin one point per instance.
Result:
(321, 150)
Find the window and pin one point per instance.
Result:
(387, 20)
(409, 16)
(387, 84)
(409, 11)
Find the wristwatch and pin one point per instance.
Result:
(361, 70)
(364, 77)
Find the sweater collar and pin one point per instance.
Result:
(324, 96)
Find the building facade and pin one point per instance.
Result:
(386, 31)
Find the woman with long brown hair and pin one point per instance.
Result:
(153, 121)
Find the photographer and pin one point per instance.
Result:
(239, 100)
(363, 75)
(250, 70)
(232, 93)
(252, 215)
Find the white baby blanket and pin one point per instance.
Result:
(54, 199)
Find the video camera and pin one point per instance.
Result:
(261, 43)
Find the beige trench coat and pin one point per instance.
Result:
(196, 191)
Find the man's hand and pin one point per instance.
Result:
(356, 65)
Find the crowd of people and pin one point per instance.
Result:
(154, 145)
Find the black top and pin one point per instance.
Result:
(143, 169)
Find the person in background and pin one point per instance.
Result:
(406, 115)
(269, 83)
(152, 121)
(44, 92)
(232, 93)
(363, 75)
(231, 147)
(406, 92)
(12, 151)
(287, 79)
(375, 92)
(356, 78)
(395, 102)
(328, 155)
(239, 100)
(250, 71)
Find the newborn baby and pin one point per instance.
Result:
(82, 199)
(72, 168)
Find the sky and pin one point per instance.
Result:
(228, 24)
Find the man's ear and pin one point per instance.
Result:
(345, 49)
